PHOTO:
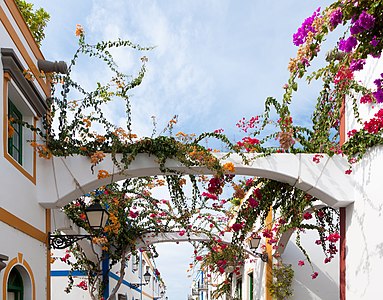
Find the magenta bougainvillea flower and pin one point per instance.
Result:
(300, 36)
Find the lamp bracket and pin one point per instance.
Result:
(64, 241)
(136, 285)
(263, 256)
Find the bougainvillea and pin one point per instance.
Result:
(69, 129)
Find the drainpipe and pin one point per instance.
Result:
(50, 66)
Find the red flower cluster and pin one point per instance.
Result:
(65, 258)
(133, 214)
(209, 196)
(267, 233)
(317, 158)
(351, 133)
(375, 124)
(248, 143)
(237, 227)
(314, 275)
(343, 76)
(257, 193)
(215, 185)
(368, 98)
(83, 285)
(333, 237)
(252, 202)
(307, 216)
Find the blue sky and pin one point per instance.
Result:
(215, 62)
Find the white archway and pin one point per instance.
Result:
(60, 180)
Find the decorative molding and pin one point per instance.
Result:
(13, 66)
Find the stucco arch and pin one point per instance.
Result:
(60, 180)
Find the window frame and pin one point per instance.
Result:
(18, 128)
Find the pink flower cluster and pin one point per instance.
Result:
(246, 125)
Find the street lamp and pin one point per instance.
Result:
(253, 244)
(146, 276)
(96, 217)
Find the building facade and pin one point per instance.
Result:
(23, 222)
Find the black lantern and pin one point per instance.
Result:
(146, 276)
(96, 217)
(254, 244)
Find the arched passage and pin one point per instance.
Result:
(63, 179)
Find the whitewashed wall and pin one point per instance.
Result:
(364, 244)
(18, 193)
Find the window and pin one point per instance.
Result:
(15, 287)
(251, 286)
(25, 100)
(238, 289)
(15, 142)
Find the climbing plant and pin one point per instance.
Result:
(36, 19)
(74, 115)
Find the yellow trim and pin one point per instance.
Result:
(6, 275)
(147, 295)
(32, 178)
(18, 261)
(10, 219)
(24, 53)
(269, 251)
(47, 230)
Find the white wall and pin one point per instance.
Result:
(18, 193)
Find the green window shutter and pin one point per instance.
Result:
(15, 142)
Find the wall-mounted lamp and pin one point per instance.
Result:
(146, 276)
(96, 216)
(253, 244)
(3, 258)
